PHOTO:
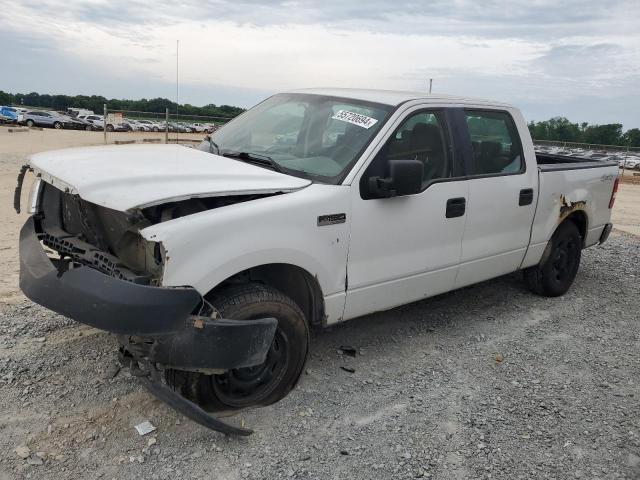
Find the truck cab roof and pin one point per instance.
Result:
(397, 97)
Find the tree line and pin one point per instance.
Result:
(562, 130)
(96, 103)
(556, 129)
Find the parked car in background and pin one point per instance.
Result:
(43, 118)
(198, 127)
(95, 120)
(178, 127)
(631, 162)
(76, 112)
(77, 123)
(98, 122)
(140, 126)
(8, 115)
(151, 126)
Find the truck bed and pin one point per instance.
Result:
(552, 162)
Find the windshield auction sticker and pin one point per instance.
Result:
(355, 118)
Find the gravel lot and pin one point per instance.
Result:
(486, 382)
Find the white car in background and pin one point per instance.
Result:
(631, 163)
(198, 127)
(150, 126)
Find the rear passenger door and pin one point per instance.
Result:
(502, 193)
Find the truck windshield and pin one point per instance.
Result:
(310, 136)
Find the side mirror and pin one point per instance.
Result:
(405, 178)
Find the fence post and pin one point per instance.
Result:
(624, 162)
(166, 125)
(104, 123)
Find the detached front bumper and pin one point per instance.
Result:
(159, 320)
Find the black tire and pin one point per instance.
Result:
(30, 123)
(554, 277)
(263, 384)
(57, 125)
(88, 128)
(109, 128)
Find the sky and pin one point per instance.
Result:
(567, 58)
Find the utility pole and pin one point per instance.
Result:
(430, 84)
(104, 122)
(177, 91)
(166, 125)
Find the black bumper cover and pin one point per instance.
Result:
(161, 316)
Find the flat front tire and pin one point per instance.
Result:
(555, 275)
(262, 384)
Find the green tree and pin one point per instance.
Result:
(610, 134)
(632, 137)
(96, 103)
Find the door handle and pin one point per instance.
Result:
(526, 197)
(455, 207)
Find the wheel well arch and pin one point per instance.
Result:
(294, 281)
(580, 219)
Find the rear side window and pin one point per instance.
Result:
(495, 142)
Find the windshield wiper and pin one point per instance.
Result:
(254, 158)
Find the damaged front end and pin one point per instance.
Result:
(90, 263)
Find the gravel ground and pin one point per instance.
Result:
(486, 382)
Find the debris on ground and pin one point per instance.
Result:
(347, 350)
(22, 451)
(145, 427)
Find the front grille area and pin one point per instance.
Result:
(95, 236)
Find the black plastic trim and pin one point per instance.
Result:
(456, 207)
(560, 167)
(605, 233)
(526, 197)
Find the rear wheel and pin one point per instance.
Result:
(57, 125)
(88, 128)
(262, 384)
(109, 128)
(30, 123)
(555, 275)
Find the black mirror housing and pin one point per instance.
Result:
(405, 178)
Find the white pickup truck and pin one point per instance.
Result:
(314, 207)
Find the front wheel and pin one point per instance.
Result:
(30, 123)
(262, 384)
(57, 125)
(555, 275)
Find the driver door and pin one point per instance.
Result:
(406, 248)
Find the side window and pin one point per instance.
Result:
(495, 142)
(421, 136)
